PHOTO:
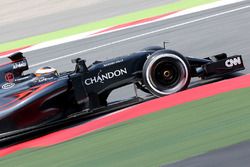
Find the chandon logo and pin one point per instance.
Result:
(233, 62)
(102, 77)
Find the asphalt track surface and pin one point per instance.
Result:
(17, 22)
(202, 34)
(233, 156)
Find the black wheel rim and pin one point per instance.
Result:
(166, 74)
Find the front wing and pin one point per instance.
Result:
(222, 67)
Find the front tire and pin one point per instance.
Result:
(166, 72)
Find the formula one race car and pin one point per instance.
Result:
(41, 99)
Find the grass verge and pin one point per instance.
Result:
(152, 140)
(180, 5)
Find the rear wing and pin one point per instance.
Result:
(19, 63)
(13, 69)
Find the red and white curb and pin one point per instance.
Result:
(120, 27)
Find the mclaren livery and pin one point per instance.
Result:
(29, 101)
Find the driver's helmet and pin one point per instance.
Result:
(45, 71)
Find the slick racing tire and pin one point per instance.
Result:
(166, 72)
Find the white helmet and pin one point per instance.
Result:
(46, 71)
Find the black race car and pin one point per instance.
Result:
(29, 101)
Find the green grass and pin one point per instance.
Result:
(180, 5)
(152, 140)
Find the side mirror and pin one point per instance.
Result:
(80, 65)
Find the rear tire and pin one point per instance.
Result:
(166, 72)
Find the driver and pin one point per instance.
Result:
(46, 71)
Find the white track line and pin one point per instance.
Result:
(192, 10)
(99, 32)
(144, 34)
